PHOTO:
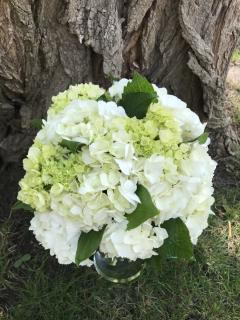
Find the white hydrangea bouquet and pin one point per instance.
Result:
(123, 171)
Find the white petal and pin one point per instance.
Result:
(125, 165)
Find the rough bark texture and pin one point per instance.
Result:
(45, 46)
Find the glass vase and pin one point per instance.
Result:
(117, 270)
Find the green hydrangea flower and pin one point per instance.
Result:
(81, 91)
(58, 170)
(157, 133)
(37, 199)
(49, 167)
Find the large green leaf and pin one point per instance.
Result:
(144, 211)
(139, 84)
(137, 96)
(178, 244)
(136, 104)
(88, 243)
(73, 146)
(19, 205)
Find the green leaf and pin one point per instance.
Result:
(19, 205)
(178, 245)
(21, 260)
(139, 84)
(137, 96)
(156, 264)
(136, 104)
(105, 97)
(203, 138)
(88, 243)
(73, 146)
(144, 211)
(37, 123)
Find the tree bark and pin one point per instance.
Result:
(184, 45)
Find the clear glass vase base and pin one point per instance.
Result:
(117, 270)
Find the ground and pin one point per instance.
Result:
(207, 289)
(34, 286)
(233, 85)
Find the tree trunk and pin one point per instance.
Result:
(184, 45)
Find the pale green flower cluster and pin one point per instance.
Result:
(157, 133)
(83, 91)
(49, 168)
(75, 190)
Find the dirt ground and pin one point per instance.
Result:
(233, 77)
(233, 90)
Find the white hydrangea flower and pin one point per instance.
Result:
(171, 204)
(187, 119)
(48, 133)
(199, 163)
(158, 169)
(160, 91)
(127, 189)
(126, 152)
(109, 110)
(120, 202)
(91, 183)
(196, 223)
(99, 149)
(99, 180)
(183, 193)
(59, 235)
(189, 123)
(91, 211)
(171, 102)
(74, 121)
(34, 153)
(116, 90)
(138, 243)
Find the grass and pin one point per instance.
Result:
(208, 289)
(236, 56)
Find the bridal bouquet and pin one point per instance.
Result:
(124, 171)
